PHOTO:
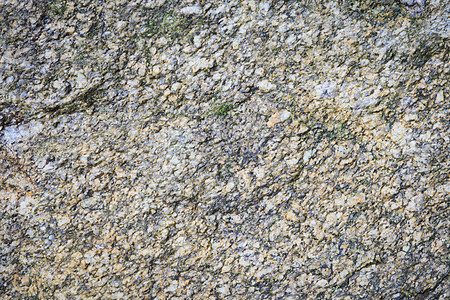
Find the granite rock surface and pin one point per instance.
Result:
(224, 149)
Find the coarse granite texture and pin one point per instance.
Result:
(224, 149)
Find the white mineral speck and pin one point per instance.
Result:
(266, 86)
(278, 117)
(191, 10)
(307, 155)
(398, 131)
(12, 134)
(264, 7)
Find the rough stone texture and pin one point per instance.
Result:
(224, 149)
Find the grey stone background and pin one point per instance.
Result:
(224, 149)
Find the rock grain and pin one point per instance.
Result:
(224, 149)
